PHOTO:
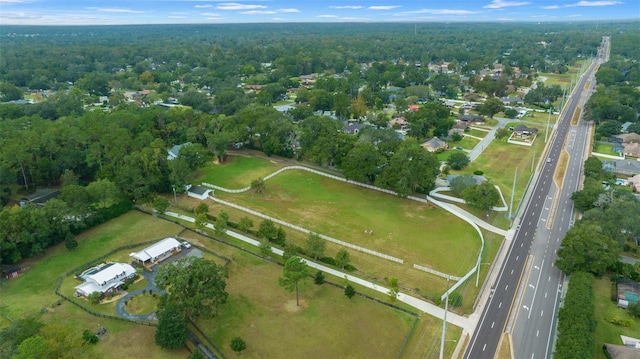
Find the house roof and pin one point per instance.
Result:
(470, 117)
(41, 196)
(199, 190)
(632, 148)
(625, 126)
(522, 128)
(352, 127)
(621, 351)
(175, 150)
(156, 249)
(627, 165)
(629, 137)
(109, 271)
(435, 142)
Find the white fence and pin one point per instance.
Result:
(438, 273)
(304, 230)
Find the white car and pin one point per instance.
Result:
(186, 244)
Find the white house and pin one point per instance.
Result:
(198, 192)
(104, 278)
(158, 251)
(173, 153)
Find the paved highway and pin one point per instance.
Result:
(546, 218)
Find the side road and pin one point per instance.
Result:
(419, 304)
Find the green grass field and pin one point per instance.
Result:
(604, 148)
(327, 324)
(402, 228)
(30, 293)
(236, 172)
(328, 316)
(606, 308)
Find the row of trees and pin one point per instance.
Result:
(617, 99)
(576, 319)
(607, 227)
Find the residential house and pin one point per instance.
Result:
(253, 87)
(399, 123)
(198, 192)
(512, 101)
(40, 197)
(174, 152)
(628, 137)
(634, 183)
(622, 167)
(105, 278)
(434, 144)
(468, 120)
(614, 351)
(631, 149)
(354, 128)
(158, 251)
(524, 132)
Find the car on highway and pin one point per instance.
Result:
(549, 160)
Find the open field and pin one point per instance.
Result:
(329, 316)
(236, 172)
(327, 324)
(499, 161)
(562, 80)
(605, 309)
(468, 143)
(402, 228)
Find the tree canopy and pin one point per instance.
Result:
(195, 286)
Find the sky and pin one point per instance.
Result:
(119, 12)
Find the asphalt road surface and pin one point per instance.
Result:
(538, 234)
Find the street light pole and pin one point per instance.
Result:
(546, 133)
(175, 198)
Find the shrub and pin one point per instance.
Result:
(349, 268)
(455, 300)
(349, 291)
(94, 298)
(318, 278)
(328, 260)
(621, 321)
(478, 172)
(89, 337)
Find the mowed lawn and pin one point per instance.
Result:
(606, 309)
(402, 228)
(30, 293)
(236, 172)
(326, 325)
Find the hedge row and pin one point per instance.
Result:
(576, 319)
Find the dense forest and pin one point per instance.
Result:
(80, 105)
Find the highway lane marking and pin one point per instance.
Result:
(538, 332)
(492, 324)
(512, 270)
(545, 294)
(500, 305)
(484, 347)
(541, 312)
(536, 287)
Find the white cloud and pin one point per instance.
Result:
(236, 6)
(328, 16)
(291, 10)
(177, 17)
(116, 10)
(203, 6)
(505, 19)
(210, 14)
(352, 7)
(584, 4)
(499, 4)
(383, 7)
(258, 12)
(10, 2)
(441, 12)
(278, 19)
(574, 15)
(597, 3)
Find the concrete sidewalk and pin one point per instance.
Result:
(419, 304)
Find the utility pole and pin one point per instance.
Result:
(513, 190)
(175, 198)
(533, 160)
(546, 133)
